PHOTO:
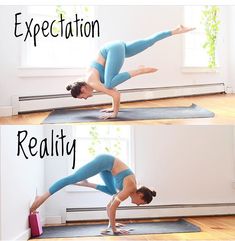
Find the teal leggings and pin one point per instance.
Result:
(102, 165)
(116, 52)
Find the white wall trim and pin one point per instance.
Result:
(48, 102)
(24, 236)
(195, 69)
(152, 211)
(6, 111)
(53, 220)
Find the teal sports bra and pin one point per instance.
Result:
(118, 179)
(100, 69)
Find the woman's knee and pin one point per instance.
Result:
(112, 191)
(108, 84)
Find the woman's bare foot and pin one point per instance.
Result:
(35, 204)
(38, 201)
(82, 183)
(146, 70)
(85, 183)
(142, 70)
(120, 225)
(181, 29)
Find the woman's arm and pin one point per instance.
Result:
(181, 29)
(107, 209)
(108, 110)
(112, 214)
(98, 86)
(121, 196)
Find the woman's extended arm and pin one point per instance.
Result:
(112, 212)
(111, 92)
(121, 196)
(181, 29)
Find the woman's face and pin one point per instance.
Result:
(85, 93)
(138, 199)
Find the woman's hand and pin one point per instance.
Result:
(118, 225)
(98, 86)
(108, 110)
(111, 113)
(181, 29)
(108, 229)
(122, 195)
(106, 116)
(120, 232)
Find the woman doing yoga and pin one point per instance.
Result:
(103, 74)
(116, 176)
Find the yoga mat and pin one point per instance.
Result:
(154, 113)
(91, 230)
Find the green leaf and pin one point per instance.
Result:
(209, 17)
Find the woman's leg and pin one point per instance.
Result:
(118, 51)
(99, 164)
(135, 47)
(114, 61)
(115, 56)
(39, 200)
(108, 188)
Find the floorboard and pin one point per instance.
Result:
(213, 228)
(223, 105)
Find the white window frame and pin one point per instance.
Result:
(24, 71)
(131, 162)
(194, 69)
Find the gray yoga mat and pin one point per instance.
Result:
(154, 113)
(91, 230)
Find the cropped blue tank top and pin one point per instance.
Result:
(100, 68)
(118, 179)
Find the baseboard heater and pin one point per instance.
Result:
(152, 211)
(24, 104)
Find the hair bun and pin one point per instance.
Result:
(69, 87)
(153, 193)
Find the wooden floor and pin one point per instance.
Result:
(223, 105)
(212, 228)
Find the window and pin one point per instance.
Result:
(57, 51)
(99, 139)
(194, 53)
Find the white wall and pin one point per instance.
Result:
(10, 56)
(231, 45)
(0, 186)
(234, 156)
(19, 179)
(117, 22)
(186, 165)
(10, 49)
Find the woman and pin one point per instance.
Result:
(103, 74)
(115, 174)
